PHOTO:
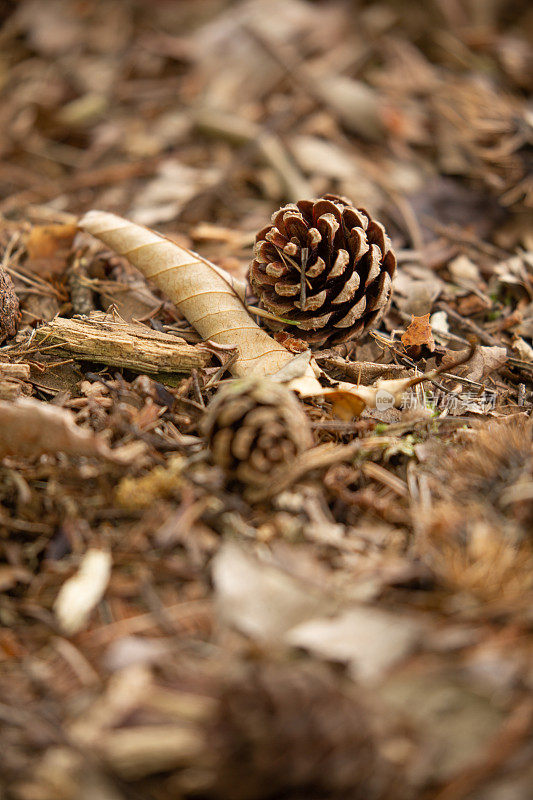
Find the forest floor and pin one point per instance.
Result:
(367, 630)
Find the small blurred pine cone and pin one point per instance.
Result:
(290, 731)
(325, 265)
(255, 426)
(9, 307)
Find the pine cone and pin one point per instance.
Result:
(9, 307)
(255, 426)
(347, 262)
(289, 731)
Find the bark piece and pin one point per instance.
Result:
(102, 339)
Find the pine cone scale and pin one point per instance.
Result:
(326, 266)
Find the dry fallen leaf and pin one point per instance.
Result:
(464, 271)
(369, 640)
(419, 333)
(271, 606)
(524, 350)
(31, 428)
(355, 103)
(48, 246)
(439, 322)
(127, 651)
(484, 361)
(163, 198)
(259, 599)
(415, 291)
(80, 593)
(457, 717)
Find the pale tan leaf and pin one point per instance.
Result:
(464, 271)
(524, 350)
(297, 368)
(258, 598)
(81, 593)
(439, 322)
(369, 640)
(484, 361)
(354, 102)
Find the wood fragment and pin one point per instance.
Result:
(117, 343)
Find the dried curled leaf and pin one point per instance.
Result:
(204, 294)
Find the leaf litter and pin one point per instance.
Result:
(360, 624)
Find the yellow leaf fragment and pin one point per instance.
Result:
(160, 482)
(346, 404)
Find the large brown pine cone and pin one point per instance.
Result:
(347, 262)
(253, 427)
